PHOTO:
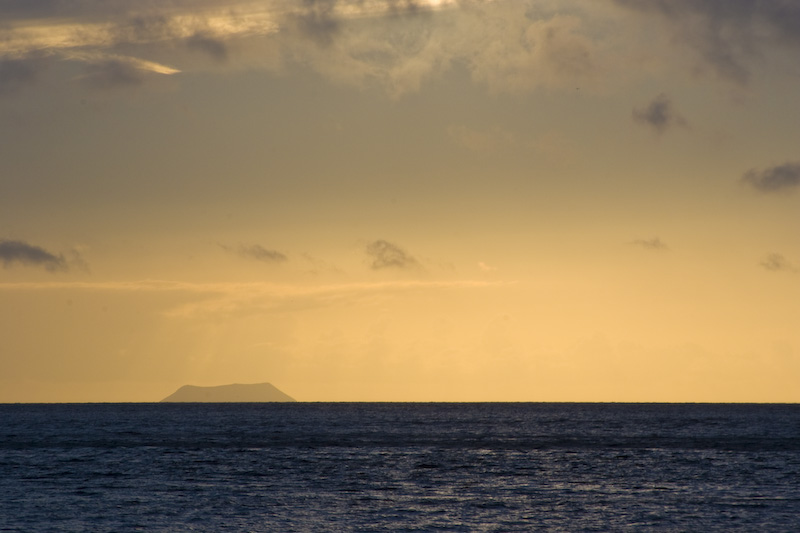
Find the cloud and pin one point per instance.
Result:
(109, 71)
(112, 73)
(211, 46)
(54, 26)
(778, 263)
(92, 32)
(259, 288)
(26, 254)
(317, 20)
(504, 45)
(774, 179)
(512, 48)
(651, 244)
(730, 35)
(396, 44)
(257, 252)
(659, 114)
(387, 255)
(507, 45)
(255, 299)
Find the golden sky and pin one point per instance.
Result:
(385, 200)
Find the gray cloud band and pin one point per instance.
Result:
(374, 42)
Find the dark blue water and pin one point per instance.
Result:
(399, 467)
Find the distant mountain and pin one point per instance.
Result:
(258, 392)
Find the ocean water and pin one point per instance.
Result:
(399, 467)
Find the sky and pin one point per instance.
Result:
(401, 200)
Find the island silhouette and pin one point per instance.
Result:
(256, 392)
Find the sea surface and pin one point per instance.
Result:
(399, 467)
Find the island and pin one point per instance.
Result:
(256, 392)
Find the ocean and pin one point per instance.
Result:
(399, 467)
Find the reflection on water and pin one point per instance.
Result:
(399, 467)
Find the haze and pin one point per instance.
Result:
(510, 200)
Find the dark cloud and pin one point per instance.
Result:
(209, 46)
(11, 10)
(102, 10)
(508, 55)
(257, 252)
(651, 244)
(728, 34)
(15, 73)
(144, 28)
(318, 21)
(778, 263)
(404, 7)
(387, 255)
(29, 255)
(112, 73)
(660, 114)
(774, 179)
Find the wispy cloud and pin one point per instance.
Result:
(215, 300)
(774, 179)
(778, 263)
(660, 114)
(262, 288)
(651, 244)
(108, 71)
(29, 255)
(254, 298)
(387, 255)
(257, 252)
